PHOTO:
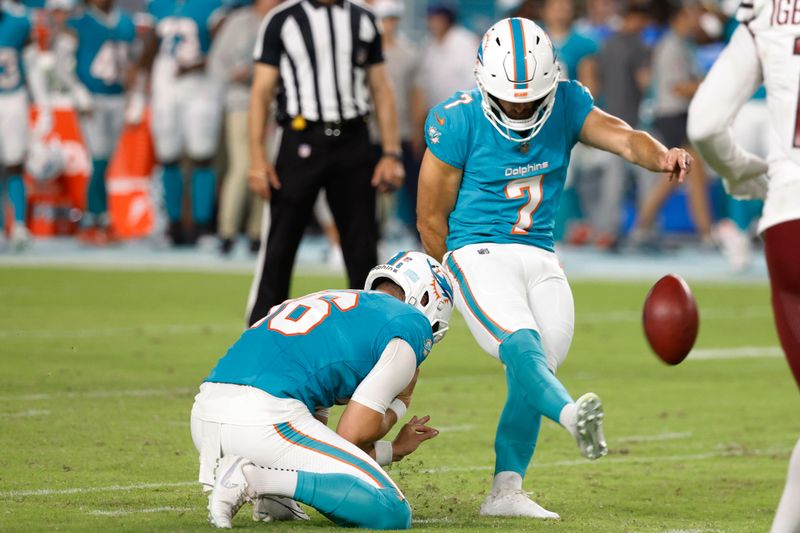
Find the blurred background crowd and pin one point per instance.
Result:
(641, 59)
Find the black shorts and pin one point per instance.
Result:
(671, 129)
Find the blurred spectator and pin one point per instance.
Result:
(186, 107)
(102, 58)
(449, 56)
(15, 31)
(600, 20)
(403, 64)
(623, 74)
(575, 54)
(572, 47)
(675, 80)
(230, 61)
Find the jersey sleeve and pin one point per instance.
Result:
(716, 104)
(447, 130)
(375, 48)
(578, 102)
(269, 45)
(413, 328)
(390, 375)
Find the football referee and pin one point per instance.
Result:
(322, 60)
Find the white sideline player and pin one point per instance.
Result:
(15, 35)
(764, 48)
(187, 105)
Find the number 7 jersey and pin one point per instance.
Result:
(509, 191)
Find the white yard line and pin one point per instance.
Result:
(178, 329)
(144, 329)
(82, 490)
(620, 459)
(712, 313)
(94, 394)
(125, 512)
(654, 438)
(445, 469)
(456, 429)
(26, 414)
(739, 352)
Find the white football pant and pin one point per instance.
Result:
(186, 117)
(102, 127)
(503, 288)
(14, 127)
(264, 430)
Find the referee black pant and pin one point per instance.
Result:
(308, 160)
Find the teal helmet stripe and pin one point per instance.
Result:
(491, 326)
(518, 45)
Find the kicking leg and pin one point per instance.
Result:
(491, 295)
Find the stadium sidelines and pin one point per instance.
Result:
(442, 470)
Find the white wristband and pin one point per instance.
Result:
(399, 408)
(383, 452)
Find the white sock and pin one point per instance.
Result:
(507, 480)
(569, 418)
(273, 481)
(787, 517)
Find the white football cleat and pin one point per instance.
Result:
(589, 426)
(277, 509)
(20, 238)
(514, 502)
(230, 491)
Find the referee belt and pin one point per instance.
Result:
(330, 129)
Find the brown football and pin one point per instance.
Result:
(670, 319)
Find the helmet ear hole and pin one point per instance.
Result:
(425, 299)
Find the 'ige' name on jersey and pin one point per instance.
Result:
(522, 171)
(786, 12)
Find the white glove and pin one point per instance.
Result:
(747, 189)
(134, 110)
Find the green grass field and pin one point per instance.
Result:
(98, 370)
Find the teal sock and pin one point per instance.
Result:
(204, 182)
(96, 196)
(348, 501)
(517, 433)
(528, 375)
(743, 212)
(16, 195)
(173, 191)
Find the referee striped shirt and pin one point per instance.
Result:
(323, 51)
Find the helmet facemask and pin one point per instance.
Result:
(523, 129)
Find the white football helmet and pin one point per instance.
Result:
(516, 63)
(424, 283)
(46, 159)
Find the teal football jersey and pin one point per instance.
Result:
(103, 47)
(184, 27)
(509, 192)
(318, 348)
(15, 30)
